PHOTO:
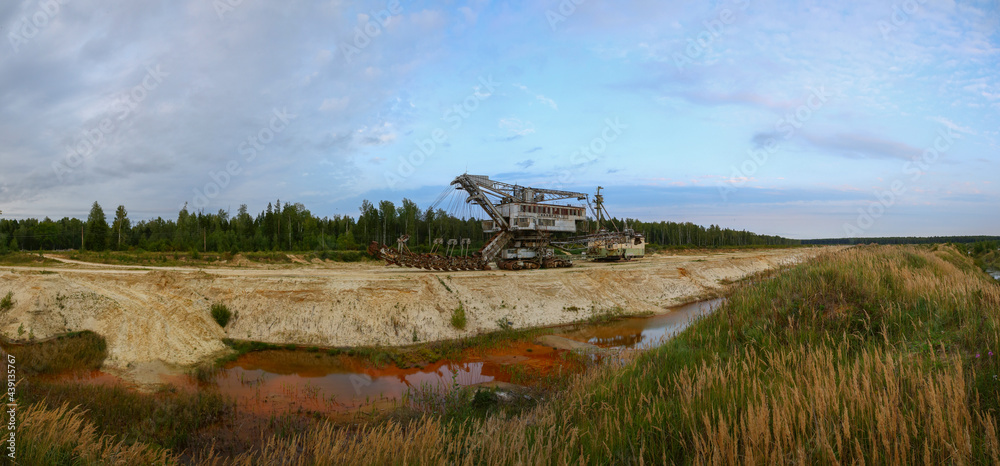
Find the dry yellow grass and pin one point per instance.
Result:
(874, 355)
(63, 436)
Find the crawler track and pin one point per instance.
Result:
(406, 258)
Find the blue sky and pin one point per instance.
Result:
(800, 119)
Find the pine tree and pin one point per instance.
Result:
(121, 223)
(97, 228)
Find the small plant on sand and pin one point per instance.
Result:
(7, 302)
(445, 285)
(221, 314)
(458, 317)
(505, 323)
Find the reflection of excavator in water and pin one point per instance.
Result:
(522, 221)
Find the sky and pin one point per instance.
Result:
(803, 119)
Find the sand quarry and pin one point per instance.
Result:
(157, 319)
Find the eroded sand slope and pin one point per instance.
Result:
(161, 315)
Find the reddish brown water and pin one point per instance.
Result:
(282, 381)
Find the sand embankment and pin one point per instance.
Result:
(161, 315)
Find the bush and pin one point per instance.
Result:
(505, 323)
(7, 302)
(458, 317)
(221, 314)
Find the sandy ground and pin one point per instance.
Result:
(158, 317)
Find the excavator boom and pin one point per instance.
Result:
(522, 221)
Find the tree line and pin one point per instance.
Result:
(291, 227)
(903, 240)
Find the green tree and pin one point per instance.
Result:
(97, 228)
(121, 224)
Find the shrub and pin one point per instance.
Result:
(505, 323)
(7, 302)
(221, 314)
(458, 317)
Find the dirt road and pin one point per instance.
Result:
(160, 316)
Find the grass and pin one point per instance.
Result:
(63, 435)
(338, 256)
(426, 353)
(62, 421)
(604, 316)
(189, 258)
(241, 347)
(458, 317)
(7, 302)
(25, 258)
(164, 420)
(445, 285)
(221, 314)
(77, 351)
(874, 354)
(863, 355)
(152, 258)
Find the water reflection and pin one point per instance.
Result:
(644, 332)
(262, 382)
(282, 381)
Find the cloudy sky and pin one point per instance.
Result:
(804, 119)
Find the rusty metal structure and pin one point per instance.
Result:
(523, 221)
(608, 245)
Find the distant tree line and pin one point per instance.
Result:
(903, 240)
(689, 234)
(291, 227)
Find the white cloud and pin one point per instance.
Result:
(950, 124)
(541, 98)
(334, 104)
(516, 127)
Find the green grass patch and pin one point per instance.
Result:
(7, 302)
(458, 317)
(221, 314)
(24, 258)
(604, 316)
(445, 285)
(780, 336)
(77, 351)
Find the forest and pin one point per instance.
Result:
(905, 240)
(292, 227)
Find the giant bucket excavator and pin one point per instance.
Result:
(522, 221)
